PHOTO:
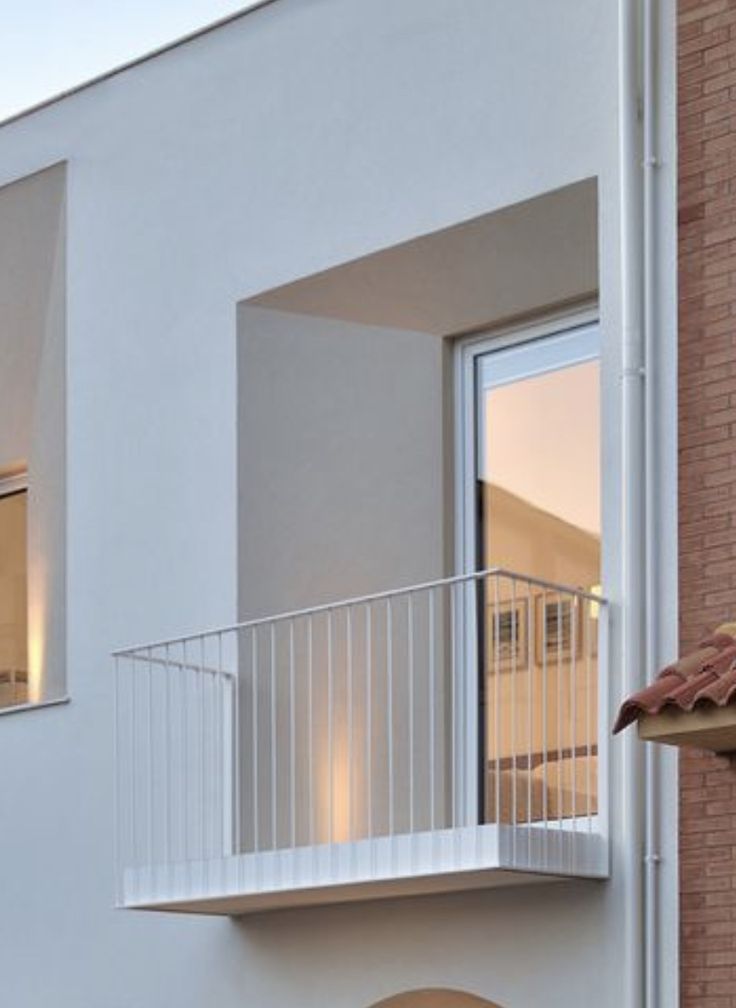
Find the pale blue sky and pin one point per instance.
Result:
(47, 46)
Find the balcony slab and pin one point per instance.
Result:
(440, 861)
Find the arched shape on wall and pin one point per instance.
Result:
(435, 998)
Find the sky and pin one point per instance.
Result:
(48, 46)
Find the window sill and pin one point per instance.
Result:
(19, 708)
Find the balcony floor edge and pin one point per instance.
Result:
(442, 861)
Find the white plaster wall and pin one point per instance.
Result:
(304, 135)
(340, 460)
(341, 493)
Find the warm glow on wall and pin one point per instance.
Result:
(37, 622)
(36, 654)
(334, 788)
(340, 797)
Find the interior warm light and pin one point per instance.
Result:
(341, 799)
(595, 589)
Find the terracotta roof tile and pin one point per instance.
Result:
(704, 677)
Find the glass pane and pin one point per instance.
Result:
(539, 515)
(13, 601)
(540, 479)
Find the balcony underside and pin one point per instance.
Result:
(480, 857)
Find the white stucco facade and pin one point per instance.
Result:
(297, 138)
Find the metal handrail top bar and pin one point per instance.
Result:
(140, 655)
(132, 651)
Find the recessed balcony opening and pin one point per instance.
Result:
(418, 739)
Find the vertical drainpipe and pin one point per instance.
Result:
(638, 74)
(649, 250)
(633, 497)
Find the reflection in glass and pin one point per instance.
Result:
(539, 514)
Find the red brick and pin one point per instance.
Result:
(707, 472)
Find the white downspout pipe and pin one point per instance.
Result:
(633, 572)
(649, 221)
(638, 66)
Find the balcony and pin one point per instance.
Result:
(355, 750)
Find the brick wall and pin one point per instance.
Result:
(707, 469)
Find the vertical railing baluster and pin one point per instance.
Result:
(274, 756)
(390, 712)
(202, 772)
(292, 736)
(530, 704)
(119, 857)
(369, 716)
(168, 775)
(410, 659)
(560, 719)
(254, 733)
(235, 659)
(214, 772)
(150, 764)
(454, 705)
(133, 767)
(236, 752)
(432, 708)
(497, 694)
(310, 724)
(514, 718)
(225, 686)
(573, 710)
(185, 752)
(349, 674)
(545, 714)
(588, 753)
(330, 739)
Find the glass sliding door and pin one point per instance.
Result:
(537, 486)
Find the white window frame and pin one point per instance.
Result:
(466, 353)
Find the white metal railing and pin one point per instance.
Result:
(364, 719)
